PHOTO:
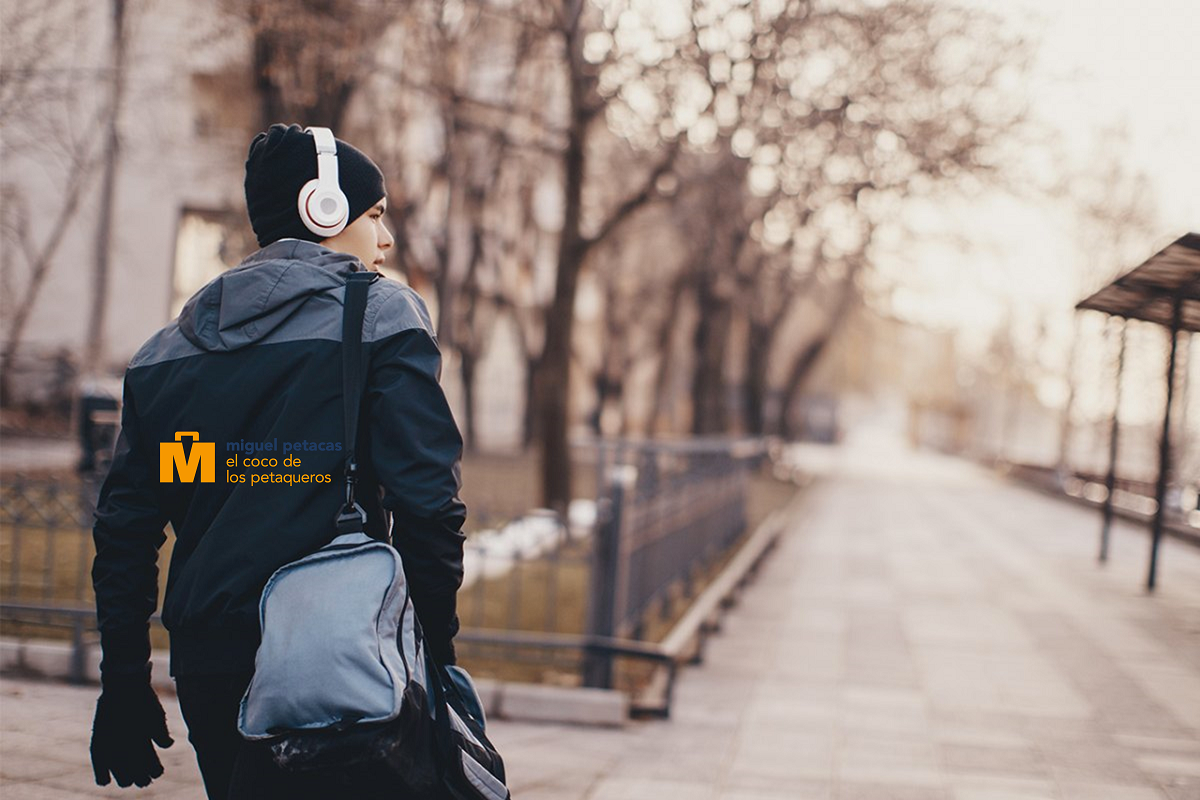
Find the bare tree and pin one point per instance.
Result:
(309, 57)
(816, 114)
(52, 101)
(880, 103)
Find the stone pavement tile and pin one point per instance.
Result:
(179, 775)
(955, 693)
(757, 769)
(888, 791)
(792, 651)
(1120, 773)
(16, 768)
(1002, 789)
(985, 760)
(654, 765)
(1045, 701)
(978, 719)
(885, 710)
(803, 707)
(1175, 688)
(821, 622)
(881, 671)
(784, 752)
(648, 789)
(815, 792)
(898, 760)
(1091, 761)
(883, 722)
(896, 775)
(576, 756)
(809, 660)
(1094, 791)
(759, 788)
(550, 791)
(1082, 751)
(979, 624)
(971, 736)
(37, 791)
(889, 749)
(1070, 734)
(901, 701)
(1119, 701)
(1171, 766)
(1183, 791)
(1158, 744)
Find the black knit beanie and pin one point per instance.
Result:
(284, 158)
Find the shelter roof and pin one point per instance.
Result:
(1148, 292)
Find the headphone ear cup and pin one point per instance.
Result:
(323, 210)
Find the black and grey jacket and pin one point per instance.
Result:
(254, 361)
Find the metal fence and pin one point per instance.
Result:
(665, 512)
(45, 559)
(544, 598)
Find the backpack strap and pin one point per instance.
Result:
(351, 518)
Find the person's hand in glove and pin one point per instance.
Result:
(129, 722)
(440, 641)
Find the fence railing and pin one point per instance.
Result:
(665, 510)
(544, 598)
(46, 554)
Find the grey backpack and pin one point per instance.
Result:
(339, 642)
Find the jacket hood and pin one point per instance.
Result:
(242, 306)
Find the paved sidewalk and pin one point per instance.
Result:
(923, 632)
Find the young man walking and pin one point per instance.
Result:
(252, 370)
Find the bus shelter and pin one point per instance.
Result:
(1164, 290)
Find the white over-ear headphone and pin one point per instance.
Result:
(323, 206)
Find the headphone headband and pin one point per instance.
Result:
(324, 139)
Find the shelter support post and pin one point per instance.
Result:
(1164, 449)
(1110, 481)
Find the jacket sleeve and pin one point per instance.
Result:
(416, 450)
(128, 532)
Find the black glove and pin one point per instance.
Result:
(128, 718)
(440, 641)
(442, 652)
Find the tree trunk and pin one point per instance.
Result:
(468, 362)
(272, 45)
(447, 283)
(754, 388)
(270, 99)
(530, 431)
(662, 382)
(808, 358)
(551, 384)
(791, 390)
(94, 350)
(552, 381)
(708, 384)
(470, 344)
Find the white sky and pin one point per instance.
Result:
(1100, 64)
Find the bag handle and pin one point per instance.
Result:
(351, 518)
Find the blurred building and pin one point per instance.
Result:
(177, 200)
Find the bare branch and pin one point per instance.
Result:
(645, 194)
